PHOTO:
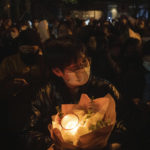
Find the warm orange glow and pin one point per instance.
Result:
(69, 121)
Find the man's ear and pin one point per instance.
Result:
(57, 72)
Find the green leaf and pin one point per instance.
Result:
(58, 109)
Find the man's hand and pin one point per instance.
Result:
(59, 143)
(92, 141)
(16, 83)
(14, 86)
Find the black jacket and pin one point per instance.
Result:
(54, 94)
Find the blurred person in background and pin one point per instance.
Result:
(1, 22)
(113, 58)
(12, 45)
(141, 27)
(64, 29)
(54, 31)
(146, 65)
(132, 76)
(43, 30)
(24, 25)
(4, 37)
(35, 24)
(132, 85)
(124, 30)
(24, 62)
(20, 75)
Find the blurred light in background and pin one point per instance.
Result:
(143, 12)
(114, 13)
(96, 14)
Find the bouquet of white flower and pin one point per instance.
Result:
(88, 123)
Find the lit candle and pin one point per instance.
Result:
(69, 121)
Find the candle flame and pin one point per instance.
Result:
(69, 121)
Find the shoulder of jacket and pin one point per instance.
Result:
(13, 59)
(46, 88)
(115, 91)
(105, 83)
(99, 81)
(42, 94)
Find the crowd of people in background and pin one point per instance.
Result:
(119, 52)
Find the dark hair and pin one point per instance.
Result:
(29, 37)
(131, 45)
(114, 41)
(85, 33)
(62, 52)
(14, 26)
(23, 22)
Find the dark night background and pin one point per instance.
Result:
(31, 9)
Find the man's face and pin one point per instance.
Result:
(29, 53)
(76, 74)
(14, 33)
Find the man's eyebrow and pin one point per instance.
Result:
(77, 63)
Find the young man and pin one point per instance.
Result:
(69, 77)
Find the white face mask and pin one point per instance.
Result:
(77, 78)
(146, 65)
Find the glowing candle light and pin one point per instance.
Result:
(69, 121)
